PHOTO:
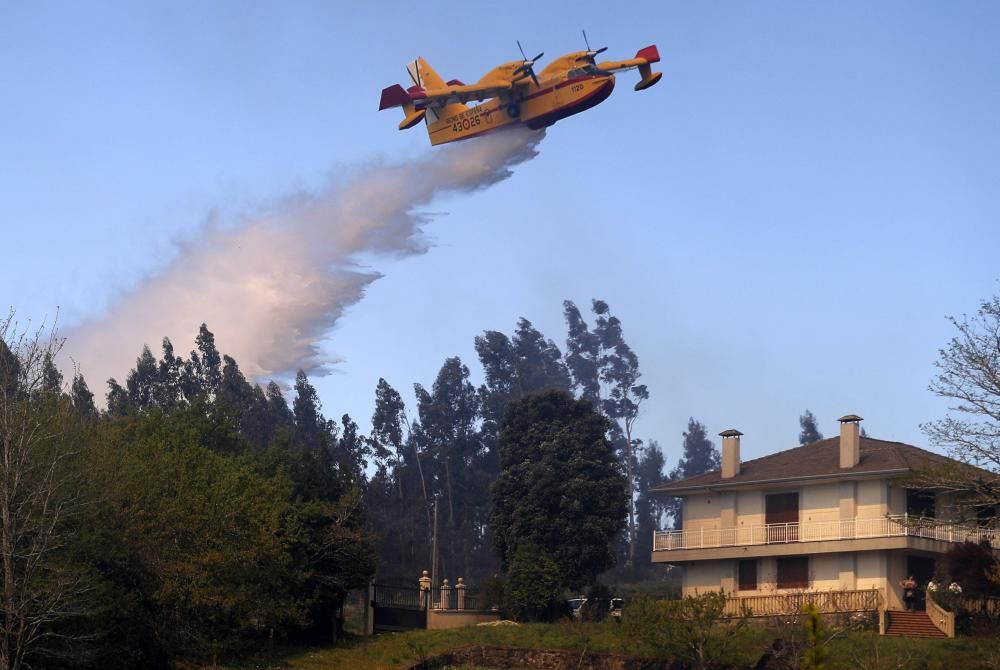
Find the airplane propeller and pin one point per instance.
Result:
(590, 55)
(527, 67)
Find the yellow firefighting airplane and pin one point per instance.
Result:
(513, 93)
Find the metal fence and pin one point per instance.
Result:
(399, 596)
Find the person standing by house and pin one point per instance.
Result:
(909, 586)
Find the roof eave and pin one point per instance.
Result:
(870, 474)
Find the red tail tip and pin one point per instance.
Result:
(393, 96)
(649, 53)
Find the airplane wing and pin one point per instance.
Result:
(463, 93)
(643, 60)
(420, 97)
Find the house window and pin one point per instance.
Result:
(793, 572)
(781, 514)
(920, 503)
(986, 516)
(747, 576)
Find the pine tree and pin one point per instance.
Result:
(809, 433)
(280, 417)
(352, 452)
(246, 402)
(699, 455)
(52, 379)
(117, 399)
(309, 422)
(142, 382)
(649, 509)
(82, 398)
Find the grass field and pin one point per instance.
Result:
(854, 651)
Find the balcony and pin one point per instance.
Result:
(775, 536)
(791, 604)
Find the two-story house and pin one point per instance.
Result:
(829, 516)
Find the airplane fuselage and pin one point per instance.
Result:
(536, 107)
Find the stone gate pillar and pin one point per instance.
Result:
(425, 590)
(445, 592)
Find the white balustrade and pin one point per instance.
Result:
(818, 531)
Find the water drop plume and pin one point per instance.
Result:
(273, 286)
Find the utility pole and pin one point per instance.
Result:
(434, 547)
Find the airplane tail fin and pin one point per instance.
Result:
(397, 96)
(647, 77)
(424, 76)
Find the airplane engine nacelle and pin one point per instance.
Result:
(413, 117)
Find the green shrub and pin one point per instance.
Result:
(533, 586)
(691, 630)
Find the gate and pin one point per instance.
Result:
(396, 608)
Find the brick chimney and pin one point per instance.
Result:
(730, 452)
(850, 440)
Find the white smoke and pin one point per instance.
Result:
(273, 288)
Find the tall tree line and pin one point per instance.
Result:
(198, 514)
(448, 450)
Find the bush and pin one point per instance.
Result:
(533, 586)
(691, 630)
(598, 603)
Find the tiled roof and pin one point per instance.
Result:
(819, 459)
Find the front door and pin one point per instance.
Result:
(781, 514)
(921, 569)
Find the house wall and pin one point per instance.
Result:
(827, 572)
(749, 508)
(701, 512)
(896, 572)
(707, 576)
(817, 502)
(873, 499)
(820, 502)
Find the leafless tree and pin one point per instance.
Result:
(877, 652)
(39, 498)
(969, 376)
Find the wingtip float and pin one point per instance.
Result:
(512, 93)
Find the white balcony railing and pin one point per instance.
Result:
(817, 531)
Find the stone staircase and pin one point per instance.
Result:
(911, 624)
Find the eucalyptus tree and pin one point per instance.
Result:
(605, 370)
(448, 431)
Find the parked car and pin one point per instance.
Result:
(576, 606)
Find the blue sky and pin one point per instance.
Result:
(782, 223)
